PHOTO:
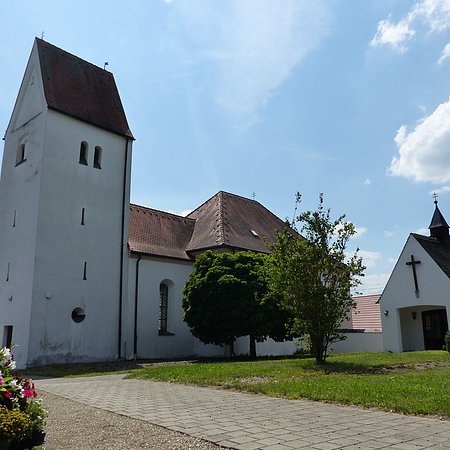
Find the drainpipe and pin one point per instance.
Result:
(136, 296)
(122, 238)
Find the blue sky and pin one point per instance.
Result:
(345, 97)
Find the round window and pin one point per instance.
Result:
(78, 315)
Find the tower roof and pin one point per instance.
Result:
(438, 220)
(81, 90)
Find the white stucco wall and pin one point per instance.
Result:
(63, 245)
(359, 342)
(153, 271)
(19, 193)
(434, 292)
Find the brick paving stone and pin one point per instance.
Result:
(226, 417)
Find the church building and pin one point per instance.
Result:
(84, 274)
(415, 305)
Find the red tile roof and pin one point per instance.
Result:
(80, 89)
(227, 220)
(159, 233)
(224, 221)
(366, 315)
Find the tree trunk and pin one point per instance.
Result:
(252, 347)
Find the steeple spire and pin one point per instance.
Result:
(438, 227)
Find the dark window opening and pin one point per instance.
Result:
(20, 157)
(82, 216)
(98, 157)
(84, 271)
(83, 153)
(7, 273)
(78, 315)
(7, 336)
(14, 219)
(163, 306)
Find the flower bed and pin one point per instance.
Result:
(22, 416)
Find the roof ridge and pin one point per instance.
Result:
(42, 41)
(221, 224)
(160, 211)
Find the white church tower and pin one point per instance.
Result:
(64, 206)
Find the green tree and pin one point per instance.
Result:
(226, 296)
(313, 273)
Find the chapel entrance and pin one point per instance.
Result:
(434, 328)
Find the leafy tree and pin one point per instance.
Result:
(314, 275)
(226, 296)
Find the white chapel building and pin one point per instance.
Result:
(84, 274)
(415, 304)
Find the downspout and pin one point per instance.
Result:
(136, 297)
(124, 196)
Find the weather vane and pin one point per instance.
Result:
(253, 195)
(435, 196)
(104, 65)
(42, 34)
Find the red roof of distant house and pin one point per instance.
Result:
(80, 89)
(366, 315)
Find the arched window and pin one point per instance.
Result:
(98, 157)
(83, 153)
(163, 307)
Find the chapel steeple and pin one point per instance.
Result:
(439, 228)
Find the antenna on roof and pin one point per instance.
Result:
(435, 196)
(104, 65)
(42, 34)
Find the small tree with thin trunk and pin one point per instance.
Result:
(314, 275)
(227, 296)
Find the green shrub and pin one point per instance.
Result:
(447, 341)
(36, 415)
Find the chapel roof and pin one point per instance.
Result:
(224, 221)
(438, 249)
(438, 220)
(366, 314)
(229, 220)
(159, 233)
(81, 90)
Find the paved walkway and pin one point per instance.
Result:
(246, 421)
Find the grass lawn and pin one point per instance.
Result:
(413, 383)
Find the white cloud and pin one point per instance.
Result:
(441, 190)
(445, 54)
(392, 260)
(255, 45)
(360, 231)
(395, 35)
(367, 182)
(433, 14)
(424, 152)
(370, 259)
(373, 284)
(424, 231)
(388, 233)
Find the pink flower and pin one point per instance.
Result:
(7, 394)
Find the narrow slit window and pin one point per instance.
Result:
(82, 216)
(83, 153)
(163, 307)
(7, 336)
(20, 157)
(98, 157)
(85, 271)
(7, 272)
(14, 219)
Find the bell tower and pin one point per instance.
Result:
(64, 202)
